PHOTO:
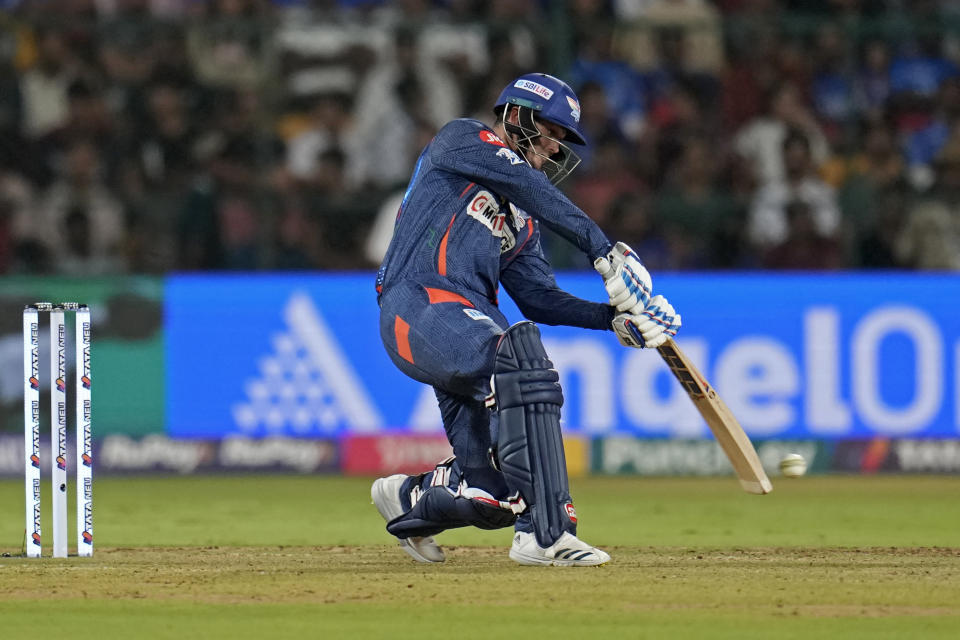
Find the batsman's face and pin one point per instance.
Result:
(543, 146)
(547, 144)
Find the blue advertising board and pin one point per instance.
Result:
(794, 356)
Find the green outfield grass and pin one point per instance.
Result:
(307, 557)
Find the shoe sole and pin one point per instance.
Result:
(376, 491)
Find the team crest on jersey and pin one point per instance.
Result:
(491, 138)
(518, 216)
(485, 209)
(509, 155)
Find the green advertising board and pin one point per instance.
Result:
(127, 359)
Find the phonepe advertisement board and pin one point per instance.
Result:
(794, 356)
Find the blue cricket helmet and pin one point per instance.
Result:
(550, 98)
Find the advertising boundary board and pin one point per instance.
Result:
(795, 356)
(382, 455)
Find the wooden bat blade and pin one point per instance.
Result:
(728, 432)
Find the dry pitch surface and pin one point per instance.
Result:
(272, 557)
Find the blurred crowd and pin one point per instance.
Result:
(145, 136)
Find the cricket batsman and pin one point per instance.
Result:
(468, 223)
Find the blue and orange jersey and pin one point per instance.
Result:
(471, 216)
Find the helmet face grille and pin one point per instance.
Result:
(556, 167)
(561, 164)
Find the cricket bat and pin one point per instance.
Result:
(721, 421)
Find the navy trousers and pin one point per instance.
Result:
(447, 338)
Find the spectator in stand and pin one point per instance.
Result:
(597, 63)
(164, 142)
(919, 68)
(872, 81)
(597, 120)
(832, 87)
(923, 144)
(128, 71)
(226, 44)
(483, 87)
(750, 74)
(193, 167)
(240, 151)
(731, 247)
(761, 141)
(331, 127)
(400, 90)
(227, 156)
(608, 178)
(11, 112)
(930, 238)
(43, 88)
(696, 22)
(341, 217)
(223, 222)
(380, 92)
(378, 238)
(16, 212)
(768, 224)
(674, 41)
(125, 51)
(676, 119)
(794, 64)
(877, 246)
(804, 247)
(517, 23)
(79, 222)
(871, 175)
(239, 225)
(585, 14)
(631, 217)
(87, 118)
(690, 209)
(667, 71)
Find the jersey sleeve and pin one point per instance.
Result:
(529, 280)
(470, 149)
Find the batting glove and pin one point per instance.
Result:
(650, 328)
(627, 281)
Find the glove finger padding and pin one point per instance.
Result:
(662, 318)
(648, 328)
(627, 281)
(674, 326)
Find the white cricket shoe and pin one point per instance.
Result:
(386, 496)
(568, 551)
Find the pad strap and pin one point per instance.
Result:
(448, 503)
(439, 509)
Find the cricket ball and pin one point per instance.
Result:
(793, 465)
